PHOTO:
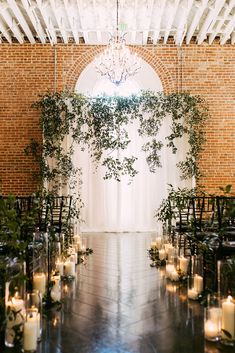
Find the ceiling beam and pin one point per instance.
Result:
(171, 15)
(195, 21)
(59, 20)
(4, 32)
(49, 26)
(34, 19)
(233, 38)
(221, 22)
(213, 13)
(12, 25)
(148, 21)
(228, 31)
(24, 25)
(157, 21)
(71, 20)
(181, 30)
(83, 29)
(134, 23)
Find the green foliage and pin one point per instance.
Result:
(176, 201)
(100, 125)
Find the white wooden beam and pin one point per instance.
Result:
(195, 21)
(49, 26)
(12, 25)
(34, 19)
(157, 20)
(148, 21)
(181, 30)
(228, 31)
(233, 38)
(221, 21)
(97, 21)
(171, 15)
(18, 14)
(71, 20)
(83, 29)
(59, 21)
(133, 24)
(213, 13)
(4, 32)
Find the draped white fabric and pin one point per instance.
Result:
(113, 206)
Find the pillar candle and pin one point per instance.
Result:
(192, 294)
(228, 317)
(69, 268)
(183, 264)
(210, 329)
(162, 254)
(60, 267)
(158, 243)
(31, 332)
(169, 269)
(198, 283)
(39, 282)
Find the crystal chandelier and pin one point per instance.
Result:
(116, 62)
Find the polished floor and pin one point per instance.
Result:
(119, 304)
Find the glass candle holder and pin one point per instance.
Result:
(56, 288)
(31, 325)
(213, 319)
(183, 265)
(14, 303)
(34, 303)
(228, 321)
(40, 282)
(195, 286)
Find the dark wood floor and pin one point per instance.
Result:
(119, 304)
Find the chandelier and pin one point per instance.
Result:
(116, 62)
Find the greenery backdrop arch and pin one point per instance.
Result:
(100, 123)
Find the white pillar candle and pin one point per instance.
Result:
(74, 258)
(183, 263)
(69, 268)
(192, 294)
(228, 317)
(169, 269)
(31, 332)
(162, 254)
(78, 246)
(39, 282)
(56, 290)
(15, 317)
(158, 243)
(76, 238)
(60, 267)
(171, 251)
(210, 329)
(174, 275)
(198, 283)
(166, 246)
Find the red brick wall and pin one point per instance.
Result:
(28, 70)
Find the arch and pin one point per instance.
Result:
(90, 54)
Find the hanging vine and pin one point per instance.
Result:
(101, 125)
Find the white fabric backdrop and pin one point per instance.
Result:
(113, 206)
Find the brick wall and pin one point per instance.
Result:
(28, 70)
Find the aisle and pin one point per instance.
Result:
(122, 305)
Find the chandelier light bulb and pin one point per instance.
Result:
(117, 63)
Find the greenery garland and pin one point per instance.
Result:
(100, 124)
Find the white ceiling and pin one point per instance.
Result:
(92, 21)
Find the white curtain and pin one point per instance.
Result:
(113, 206)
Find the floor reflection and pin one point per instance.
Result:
(119, 304)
